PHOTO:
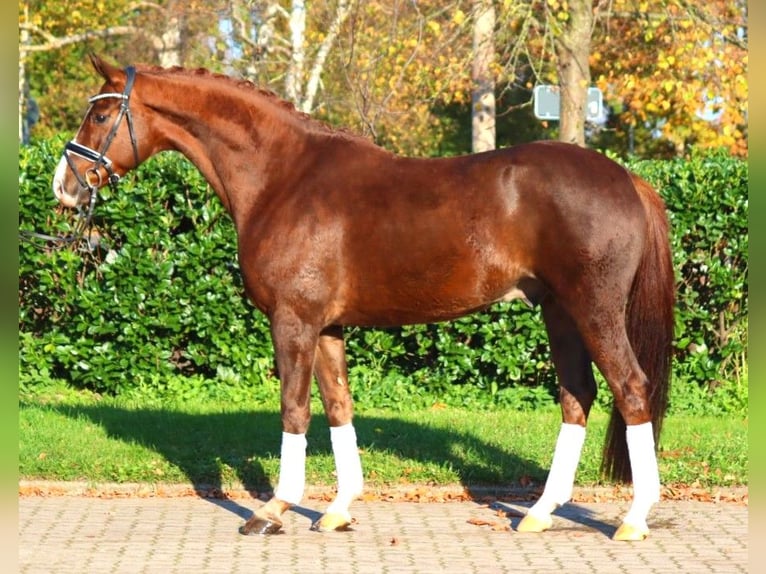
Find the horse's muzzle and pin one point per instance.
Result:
(71, 196)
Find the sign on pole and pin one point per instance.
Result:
(547, 103)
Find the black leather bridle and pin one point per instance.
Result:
(99, 159)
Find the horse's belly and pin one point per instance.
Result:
(434, 305)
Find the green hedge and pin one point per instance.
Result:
(158, 307)
(707, 200)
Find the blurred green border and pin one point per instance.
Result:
(757, 340)
(9, 284)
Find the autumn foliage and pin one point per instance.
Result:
(677, 69)
(673, 72)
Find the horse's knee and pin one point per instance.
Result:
(336, 398)
(295, 419)
(576, 404)
(339, 412)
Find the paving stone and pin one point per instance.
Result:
(83, 535)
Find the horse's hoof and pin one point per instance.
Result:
(532, 523)
(630, 532)
(262, 526)
(332, 522)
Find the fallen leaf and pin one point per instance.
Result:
(495, 525)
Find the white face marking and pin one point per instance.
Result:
(59, 191)
(58, 185)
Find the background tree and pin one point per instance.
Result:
(675, 75)
(399, 63)
(572, 32)
(482, 74)
(301, 87)
(55, 37)
(673, 72)
(52, 33)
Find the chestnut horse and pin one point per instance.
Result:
(334, 231)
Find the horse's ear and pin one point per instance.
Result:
(107, 71)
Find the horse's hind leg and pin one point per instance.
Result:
(577, 390)
(332, 375)
(616, 360)
(607, 341)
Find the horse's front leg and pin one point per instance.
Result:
(332, 375)
(295, 343)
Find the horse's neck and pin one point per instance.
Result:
(230, 137)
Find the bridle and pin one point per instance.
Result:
(99, 159)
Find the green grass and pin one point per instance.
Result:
(216, 444)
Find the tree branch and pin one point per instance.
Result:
(52, 42)
(341, 14)
(694, 13)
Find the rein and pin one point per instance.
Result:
(82, 226)
(98, 159)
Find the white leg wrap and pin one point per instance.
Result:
(646, 476)
(348, 467)
(292, 468)
(560, 482)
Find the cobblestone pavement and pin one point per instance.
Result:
(76, 534)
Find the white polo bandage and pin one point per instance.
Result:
(292, 468)
(560, 482)
(646, 475)
(348, 467)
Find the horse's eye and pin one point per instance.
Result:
(99, 118)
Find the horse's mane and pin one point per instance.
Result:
(248, 86)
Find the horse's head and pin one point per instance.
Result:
(107, 143)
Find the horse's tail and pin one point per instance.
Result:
(650, 323)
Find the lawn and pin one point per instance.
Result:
(228, 446)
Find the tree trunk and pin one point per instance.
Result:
(294, 78)
(170, 54)
(483, 94)
(312, 86)
(573, 51)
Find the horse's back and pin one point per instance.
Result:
(384, 240)
(461, 233)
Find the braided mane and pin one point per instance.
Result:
(247, 85)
